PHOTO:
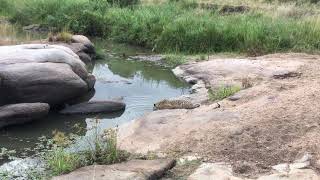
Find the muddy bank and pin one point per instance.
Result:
(275, 121)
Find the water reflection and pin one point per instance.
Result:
(138, 84)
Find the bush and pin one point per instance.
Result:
(222, 92)
(174, 60)
(61, 161)
(101, 151)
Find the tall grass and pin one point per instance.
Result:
(174, 27)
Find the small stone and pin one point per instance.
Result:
(304, 158)
(235, 97)
(299, 165)
(281, 168)
(185, 159)
(191, 80)
(216, 171)
(237, 131)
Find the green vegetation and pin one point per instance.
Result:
(175, 27)
(61, 161)
(62, 155)
(63, 36)
(173, 60)
(101, 151)
(222, 92)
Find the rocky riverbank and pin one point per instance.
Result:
(272, 121)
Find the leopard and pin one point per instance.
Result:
(174, 104)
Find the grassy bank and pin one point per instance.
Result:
(63, 153)
(176, 27)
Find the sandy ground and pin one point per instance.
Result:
(275, 121)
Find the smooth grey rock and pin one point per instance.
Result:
(84, 53)
(91, 81)
(187, 159)
(235, 97)
(282, 168)
(131, 170)
(22, 113)
(84, 57)
(85, 41)
(305, 158)
(300, 165)
(94, 107)
(41, 73)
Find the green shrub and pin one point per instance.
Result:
(5, 7)
(222, 92)
(105, 151)
(63, 36)
(100, 151)
(61, 161)
(174, 60)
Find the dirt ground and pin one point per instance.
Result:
(275, 121)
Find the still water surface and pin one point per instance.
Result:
(138, 84)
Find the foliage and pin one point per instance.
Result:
(63, 36)
(6, 154)
(104, 150)
(174, 60)
(123, 3)
(173, 27)
(61, 161)
(222, 92)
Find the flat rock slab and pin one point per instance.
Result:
(93, 107)
(222, 171)
(270, 123)
(22, 113)
(157, 130)
(131, 170)
(231, 71)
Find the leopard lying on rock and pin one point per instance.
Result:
(175, 104)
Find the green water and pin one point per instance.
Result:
(139, 84)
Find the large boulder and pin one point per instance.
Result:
(22, 113)
(84, 53)
(79, 44)
(85, 41)
(93, 107)
(41, 73)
